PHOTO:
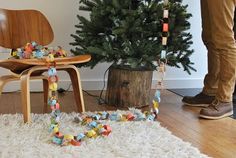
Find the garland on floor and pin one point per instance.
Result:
(93, 122)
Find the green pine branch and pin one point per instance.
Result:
(130, 32)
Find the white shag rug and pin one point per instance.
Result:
(127, 140)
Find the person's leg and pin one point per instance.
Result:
(221, 17)
(211, 79)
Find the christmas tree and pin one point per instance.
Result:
(129, 32)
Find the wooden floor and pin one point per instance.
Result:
(215, 138)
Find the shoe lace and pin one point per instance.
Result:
(215, 104)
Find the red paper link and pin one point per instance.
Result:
(165, 27)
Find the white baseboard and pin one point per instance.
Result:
(182, 83)
(168, 84)
(36, 85)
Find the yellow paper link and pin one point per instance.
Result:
(91, 134)
(68, 136)
(53, 86)
(155, 104)
(56, 129)
(50, 58)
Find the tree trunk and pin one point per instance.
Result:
(128, 88)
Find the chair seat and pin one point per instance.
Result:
(19, 65)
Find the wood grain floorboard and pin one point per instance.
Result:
(216, 138)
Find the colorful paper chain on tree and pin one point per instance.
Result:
(162, 61)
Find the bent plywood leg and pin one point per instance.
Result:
(25, 97)
(45, 95)
(5, 79)
(2, 83)
(77, 88)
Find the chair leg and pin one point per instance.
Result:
(1, 86)
(4, 80)
(77, 89)
(45, 95)
(25, 97)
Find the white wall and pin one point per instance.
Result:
(177, 78)
(62, 16)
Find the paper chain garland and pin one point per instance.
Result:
(162, 61)
(93, 122)
(33, 50)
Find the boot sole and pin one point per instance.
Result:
(218, 117)
(196, 105)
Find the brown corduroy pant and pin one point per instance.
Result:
(218, 37)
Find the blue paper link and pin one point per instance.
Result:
(163, 54)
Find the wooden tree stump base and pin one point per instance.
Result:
(128, 88)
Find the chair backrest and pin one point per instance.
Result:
(17, 27)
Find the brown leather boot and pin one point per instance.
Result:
(200, 99)
(217, 110)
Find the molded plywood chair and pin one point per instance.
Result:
(17, 27)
